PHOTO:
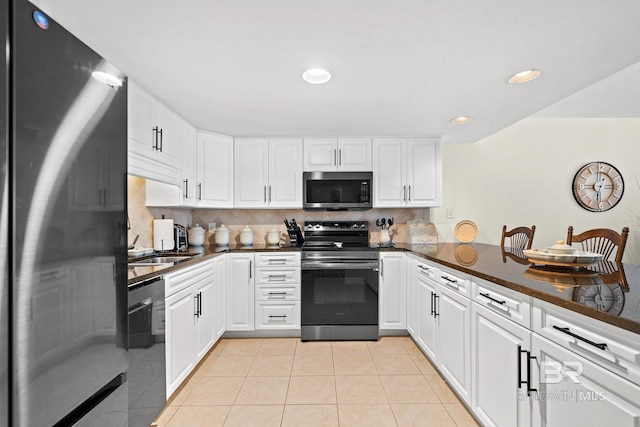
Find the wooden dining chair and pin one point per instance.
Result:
(602, 241)
(519, 237)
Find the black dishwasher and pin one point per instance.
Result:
(147, 371)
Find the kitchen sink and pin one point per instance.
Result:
(159, 260)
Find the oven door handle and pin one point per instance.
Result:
(323, 265)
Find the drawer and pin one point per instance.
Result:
(506, 302)
(180, 279)
(455, 280)
(427, 270)
(277, 293)
(276, 259)
(613, 348)
(274, 276)
(277, 315)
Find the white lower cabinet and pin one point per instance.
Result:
(392, 288)
(219, 303)
(240, 292)
(497, 396)
(277, 314)
(573, 391)
(189, 320)
(410, 275)
(426, 320)
(181, 337)
(277, 291)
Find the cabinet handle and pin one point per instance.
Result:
(453, 284)
(601, 346)
(435, 305)
(269, 194)
(161, 140)
(493, 299)
(250, 270)
(382, 268)
(335, 157)
(199, 191)
(404, 193)
(279, 295)
(277, 278)
(104, 193)
(199, 304)
(283, 316)
(155, 138)
(265, 194)
(528, 380)
(409, 193)
(339, 157)
(195, 302)
(432, 310)
(186, 188)
(278, 261)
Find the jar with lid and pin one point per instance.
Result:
(221, 235)
(246, 236)
(196, 235)
(273, 236)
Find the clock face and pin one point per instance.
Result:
(598, 186)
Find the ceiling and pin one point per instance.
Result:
(402, 67)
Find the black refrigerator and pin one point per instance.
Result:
(63, 295)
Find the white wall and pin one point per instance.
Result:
(523, 175)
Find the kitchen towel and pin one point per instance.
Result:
(163, 235)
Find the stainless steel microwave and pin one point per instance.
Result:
(337, 191)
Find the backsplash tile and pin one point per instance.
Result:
(260, 220)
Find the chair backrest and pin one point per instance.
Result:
(601, 241)
(520, 237)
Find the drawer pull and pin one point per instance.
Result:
(277, 277)
(279, 295)
(453, 284)
(567, 331)
(493, 299)
(281, 316)
(278, 261)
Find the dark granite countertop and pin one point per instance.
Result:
(569, 289)
(140, 274)
(573, 291)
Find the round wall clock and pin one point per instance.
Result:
(598, 186)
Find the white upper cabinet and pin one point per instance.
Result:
(154, 137)
(268, 172)
(188, 170)
(337, 154)
(407, 172)
(214, 170)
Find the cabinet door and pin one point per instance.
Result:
(389, 159)
(426, 319)
(320, 154)
(215, 170)
(497, 398)
(140, 135)
(454, 341)
(240, 292)
(575, 391)
(424, 172)
(411, 296)
(219, 320)
(188, 169)
(180, 324)
(251, 172)
(393, 291)
(354, 154)
(285, 173)
(170, 138)
(205, 294)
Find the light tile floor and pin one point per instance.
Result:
(285, 382)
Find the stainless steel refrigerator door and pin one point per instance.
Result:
(4, 229)
(69, 211)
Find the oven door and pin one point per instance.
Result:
(339, 299)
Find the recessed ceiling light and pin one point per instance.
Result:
(106, 78)
(316, 76)
(461, 119)
(524, 76)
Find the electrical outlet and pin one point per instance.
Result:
(449, 212)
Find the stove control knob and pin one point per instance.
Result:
(355, 225)
(318, 226)
(363, 225)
